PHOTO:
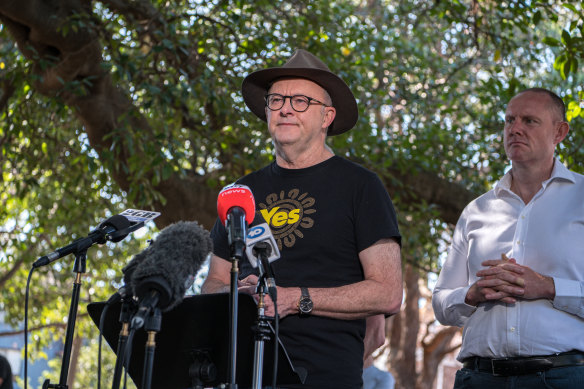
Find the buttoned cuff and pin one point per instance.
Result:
(569, 296)
(459, 308)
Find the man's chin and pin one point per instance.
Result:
(285, 139)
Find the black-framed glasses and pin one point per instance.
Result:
(299, 103)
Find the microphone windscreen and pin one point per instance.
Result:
(236, 195)
(173, 259)
(129, 269)
(118, 223)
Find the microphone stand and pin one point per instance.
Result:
(261, 331)
(152, 326)
(126, 314)
(79, 268)
(236, 228)
(233, 302)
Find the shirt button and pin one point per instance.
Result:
(512, 329)
(518, 242)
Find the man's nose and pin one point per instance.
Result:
(515, 127)
(287, 107)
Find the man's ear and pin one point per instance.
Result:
(329, 116)
(561, 131)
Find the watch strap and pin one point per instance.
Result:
(305, 304)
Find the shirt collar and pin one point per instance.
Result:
(559, 172)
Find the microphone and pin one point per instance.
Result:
(168, 268)
(113, 229)
(236, 209)
(127, 310)
(128, 271)
(261, 250)
(130, 268)
(105, 231)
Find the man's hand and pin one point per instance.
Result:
(287, 297)
(248, 285)
(505, 280)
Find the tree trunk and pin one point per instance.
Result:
(434, 351)
(404, 338)
(76, 349)
(404, 333)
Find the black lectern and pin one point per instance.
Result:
(195, 335)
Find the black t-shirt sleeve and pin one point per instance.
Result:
(219, 237)
(375, 215)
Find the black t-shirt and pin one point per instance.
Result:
(321, 218)
(5, 373)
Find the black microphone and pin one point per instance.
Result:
(100, 235)
(106, 229)
(261, 250)
(127, 310)
(169, 268)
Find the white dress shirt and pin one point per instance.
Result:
(546, 235)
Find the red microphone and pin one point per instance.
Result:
(236, 209)
(236, 195)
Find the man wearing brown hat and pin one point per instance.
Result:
(333, 221)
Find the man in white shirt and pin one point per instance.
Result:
(514, 276)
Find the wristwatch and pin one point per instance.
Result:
(305, 302)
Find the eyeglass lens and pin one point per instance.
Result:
(300, 103)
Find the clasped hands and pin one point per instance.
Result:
(507, 281)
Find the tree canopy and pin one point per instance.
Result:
(107, 105)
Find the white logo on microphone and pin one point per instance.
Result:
(255, 231)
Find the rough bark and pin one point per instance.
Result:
(434, 351)
(417, 186)
(73, 367)
(404, 336)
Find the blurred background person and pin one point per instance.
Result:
(373, 377)
(5, 373)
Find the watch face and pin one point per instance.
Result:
(305, 305)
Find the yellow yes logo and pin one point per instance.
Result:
(289, 215)
(278, 219)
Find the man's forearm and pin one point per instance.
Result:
(214, 286)
(356, 301)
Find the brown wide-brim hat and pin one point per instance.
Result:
(303, 64)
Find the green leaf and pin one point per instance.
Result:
(497, 55)
(560, 61)
(573, 110)
(566, 38)
(566, 68)
(167, 171)
(553, 42)
(571, 7)
(536, 17)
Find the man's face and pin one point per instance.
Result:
(532, 128)
(303, 129)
